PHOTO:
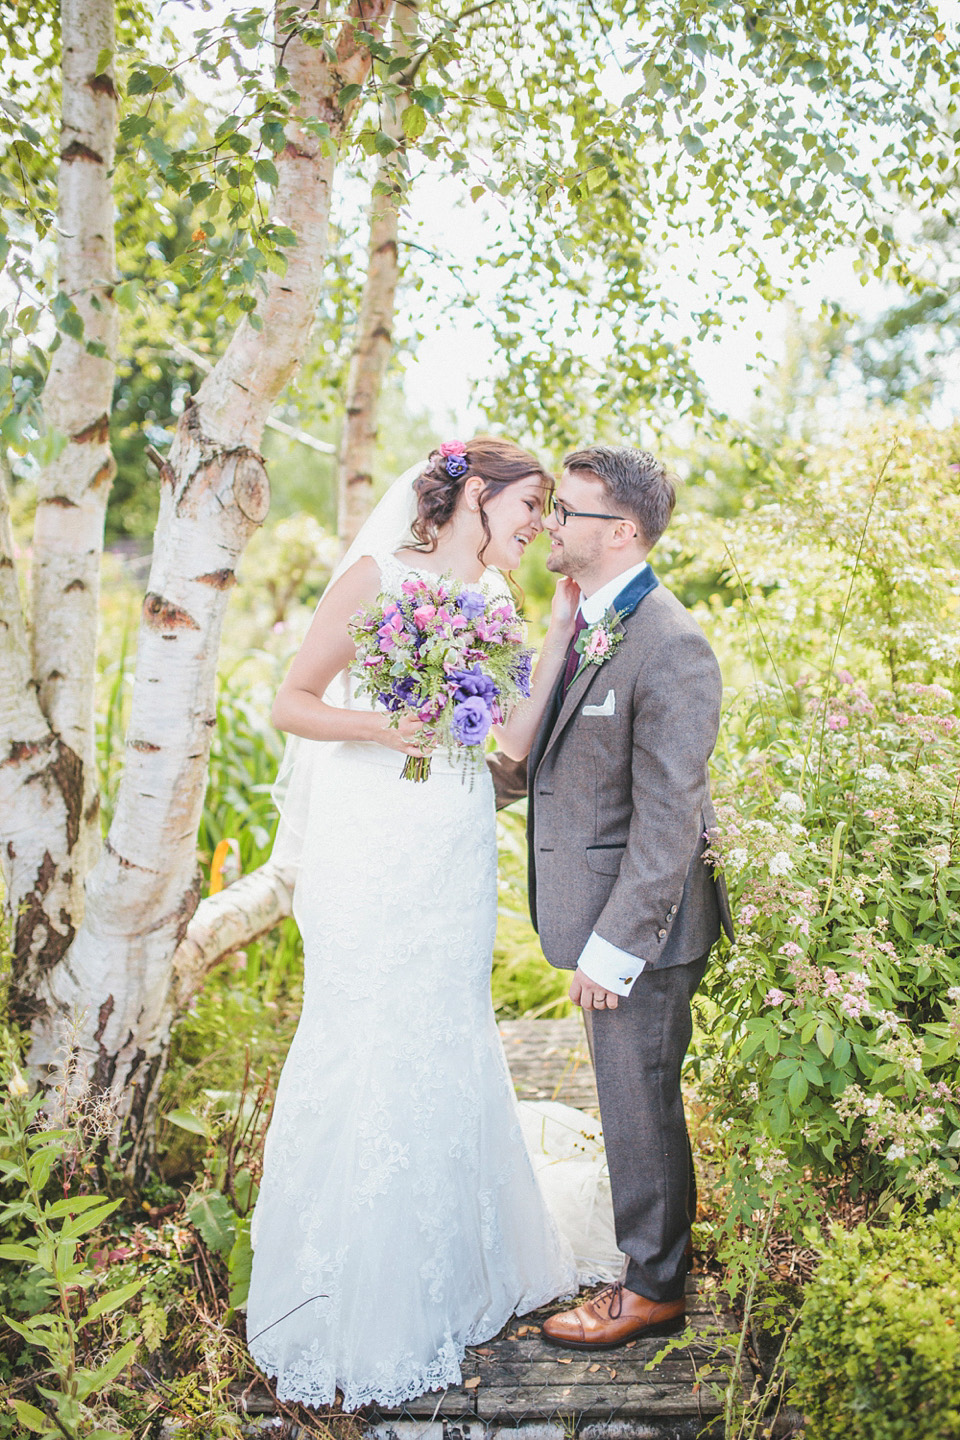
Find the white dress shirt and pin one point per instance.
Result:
(601, 962)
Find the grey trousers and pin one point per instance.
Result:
(637, 1053)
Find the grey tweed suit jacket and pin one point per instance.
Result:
(619, 795)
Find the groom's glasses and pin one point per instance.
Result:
(564, 513)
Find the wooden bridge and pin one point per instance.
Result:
(516, 1384)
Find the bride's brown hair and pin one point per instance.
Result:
(498, 463)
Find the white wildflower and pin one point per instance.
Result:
(780, 864)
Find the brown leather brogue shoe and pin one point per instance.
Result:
(613, 1317)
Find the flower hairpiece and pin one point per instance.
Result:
(455, 461)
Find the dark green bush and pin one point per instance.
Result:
(877, 1353)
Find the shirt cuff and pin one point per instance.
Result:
(609, 966)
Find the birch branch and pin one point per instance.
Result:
(223, 923)
(323, 447)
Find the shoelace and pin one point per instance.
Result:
(615, 1302)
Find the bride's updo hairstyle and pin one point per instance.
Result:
(498, 463)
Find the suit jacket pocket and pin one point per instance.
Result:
(605, 859)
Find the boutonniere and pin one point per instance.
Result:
(596, 643)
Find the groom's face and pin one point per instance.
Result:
(579, 546)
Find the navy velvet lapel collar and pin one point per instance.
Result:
(631, 595)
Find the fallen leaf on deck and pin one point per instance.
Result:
(593, 1368)
(564, 1359)
(483, 1352)
(613, 1374)
(471, 1384)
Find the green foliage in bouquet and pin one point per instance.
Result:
(877, 1352)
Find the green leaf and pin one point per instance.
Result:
(266, 171)
(185, 1121)
(566, 246)
(112, 1300)
(89, 1221)
(797, 1089)
(414, 122)
(103, 62)
(825, 1038)
(211, 1214)
(18, 1252)
(72, 325)
(139, 83)
(239, 1266)
(128, 294)
(595, 177)
(90, 1381)
(347, 95)
(33, 1418)
(833, 161)
(496, 98)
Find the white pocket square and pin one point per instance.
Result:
(609, 706)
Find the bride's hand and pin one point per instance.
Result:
(563, 610)
(410, 736)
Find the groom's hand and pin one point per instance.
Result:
(591, 996)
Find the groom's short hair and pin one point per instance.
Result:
(636, 482)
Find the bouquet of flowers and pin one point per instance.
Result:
(448, 655)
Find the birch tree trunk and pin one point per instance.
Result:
(214, 493)
(49, 803)
(374, 342)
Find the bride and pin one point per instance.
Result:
(399, 1219)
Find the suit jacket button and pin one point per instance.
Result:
(673, 910)
(661, 933)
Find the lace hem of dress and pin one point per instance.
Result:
(301, 1385)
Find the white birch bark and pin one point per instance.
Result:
(48, 792)
(144, 889)
(374, 342)
(40, 790)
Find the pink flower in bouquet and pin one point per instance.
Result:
(502, 612)
(413, 587)
(452, 447)
(598, 645)
(487, 629)
(423, 615)
(390, 630)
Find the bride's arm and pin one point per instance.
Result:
(326, 650)
(516, 735)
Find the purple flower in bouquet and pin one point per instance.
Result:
(404, 694)
(472, 604)
(521, 672)
(471, 721)
(473, 682)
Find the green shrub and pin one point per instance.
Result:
(877, 1353)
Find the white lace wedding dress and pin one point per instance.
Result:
(399, 1219)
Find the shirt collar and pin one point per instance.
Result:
(594, 607)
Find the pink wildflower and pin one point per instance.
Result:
(837, 722)
(844, 677)
(774, 996)
(598, 644)
(790, 949)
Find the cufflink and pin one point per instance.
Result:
(626, 979)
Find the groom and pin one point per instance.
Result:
(619, 801)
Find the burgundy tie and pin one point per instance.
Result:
(573, 658)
